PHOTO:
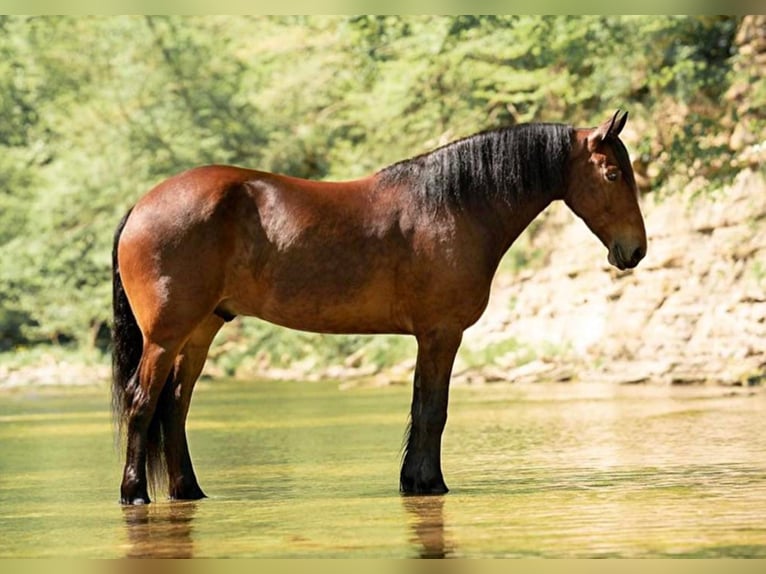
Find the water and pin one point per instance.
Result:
(308, 470)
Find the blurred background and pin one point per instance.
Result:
(97, 110)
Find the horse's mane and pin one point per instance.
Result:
(511, 164)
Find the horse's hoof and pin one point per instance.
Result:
(134, 496)
(137, 501)
(184, 488)
(414, 487)
(196, 494)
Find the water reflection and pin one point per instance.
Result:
(426, 522)
(160, 530)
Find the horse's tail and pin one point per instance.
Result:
(127, 342)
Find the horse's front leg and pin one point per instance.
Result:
(421, 467)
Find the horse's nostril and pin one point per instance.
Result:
(638, 255)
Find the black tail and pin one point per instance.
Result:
(127, 348)
(127, 341)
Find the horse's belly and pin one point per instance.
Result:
(369, 309)
(316, 316)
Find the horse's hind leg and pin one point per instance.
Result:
(174, 407)
(149, 380)
(421, 468)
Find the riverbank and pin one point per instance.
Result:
(49, 366)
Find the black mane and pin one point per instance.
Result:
(510, 164)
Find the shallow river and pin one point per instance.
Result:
(308, 470)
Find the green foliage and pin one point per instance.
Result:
(97, 110)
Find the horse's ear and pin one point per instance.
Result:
(618, 123)
(610, 128)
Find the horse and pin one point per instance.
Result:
(411, 249)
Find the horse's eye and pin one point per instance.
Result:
(612, 175)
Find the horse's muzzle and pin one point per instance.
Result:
(624, 257)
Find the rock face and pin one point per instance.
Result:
(693, 311)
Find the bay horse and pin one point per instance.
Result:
(411, 249)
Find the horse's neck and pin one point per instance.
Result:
(510, 221)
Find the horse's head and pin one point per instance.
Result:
(601, 189)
